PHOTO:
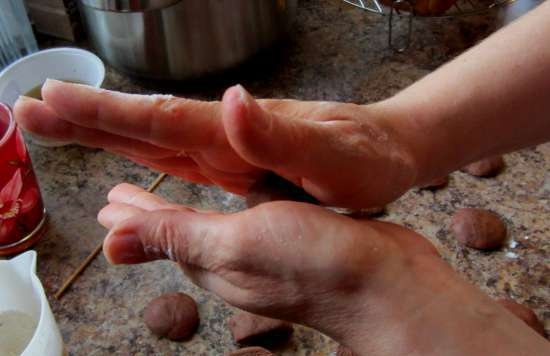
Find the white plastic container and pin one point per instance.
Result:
(22, 292)
(65, 63)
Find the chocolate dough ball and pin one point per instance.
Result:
(478, 228)
(488, 167)
(172, 315)
(423, 7)
(432, 7)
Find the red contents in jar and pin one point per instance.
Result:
(21, 208)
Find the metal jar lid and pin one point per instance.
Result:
(128, 5)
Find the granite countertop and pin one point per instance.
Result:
(335, 53)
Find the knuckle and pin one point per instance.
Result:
(140, 197)
(164, 238)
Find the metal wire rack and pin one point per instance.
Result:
(405, 9)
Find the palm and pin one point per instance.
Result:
(268, 260)
(329, 149)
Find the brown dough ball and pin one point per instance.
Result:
(272, 187)
(436, 183)
(344, 351)
(254, 330)
(523, 313)
(251, 351)
(432, 7)
(478, 228)
(424, 7)
(488, 167)
(172, 315)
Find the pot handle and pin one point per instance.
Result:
(128, 5)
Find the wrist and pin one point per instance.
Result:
(380, 318)
(399, 123)
(430, 143)
(422, 315)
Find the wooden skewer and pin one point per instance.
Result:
(78, 271)
(98, 249)
(153, 186)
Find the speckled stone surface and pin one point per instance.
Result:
(335, 53)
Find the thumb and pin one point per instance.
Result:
(204, 245)
(268, 140)
(189, 238)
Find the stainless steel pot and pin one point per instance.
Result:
(177, 39)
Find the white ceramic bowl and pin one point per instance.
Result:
(63, 63)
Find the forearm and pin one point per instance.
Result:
(493, 99)
(441, 315)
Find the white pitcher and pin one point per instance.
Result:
(22, 295)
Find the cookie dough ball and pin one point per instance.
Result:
(478, 228)
(172, 315)
(432, 7)
(423, 7)
(488, 167)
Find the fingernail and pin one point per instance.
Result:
(24, 98)
(244, 96)
(124, 249)
(49, 84)
(52, 81)
(255, 113)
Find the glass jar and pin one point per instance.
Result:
(22, 213)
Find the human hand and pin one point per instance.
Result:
(343, 154)
(376, 287)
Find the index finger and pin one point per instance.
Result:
(162, 120)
